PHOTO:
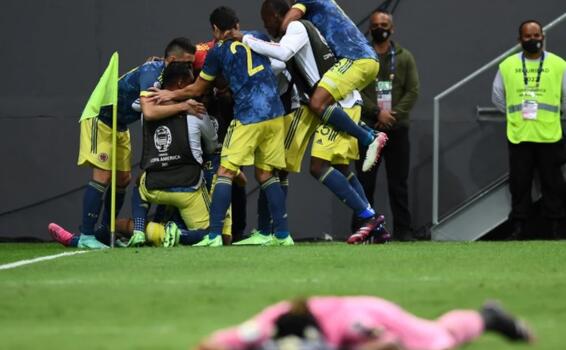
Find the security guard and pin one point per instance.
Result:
(529, 87)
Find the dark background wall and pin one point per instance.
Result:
(54, 51)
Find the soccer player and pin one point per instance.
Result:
(363, 323)
(256, 134)
(172, 158)
(302, 47)
(96, 143)
(357, 67)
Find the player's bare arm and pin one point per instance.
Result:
(196, 89)
(153, 111)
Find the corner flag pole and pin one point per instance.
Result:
(113, 182)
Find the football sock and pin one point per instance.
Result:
(357, 186)
(276, 202)
(190, 237)
(337, 183)
(139, 210)
(92, 202)
(120, 196)
(221, 198)
(263, 214)
(341, 121)
(74, 241)
(284, 187)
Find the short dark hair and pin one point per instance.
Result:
(527, 22)
(379, 10)
(224, 18)
(180, 45)
(280, 7)
(176, 71)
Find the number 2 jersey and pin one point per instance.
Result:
(249, 75)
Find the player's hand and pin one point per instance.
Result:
(154, 58)
(235, 34)
(195, 108)
(159, 96)
(208, 345)
(241, 179)
(385, 120)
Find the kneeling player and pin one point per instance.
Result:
(172, 159)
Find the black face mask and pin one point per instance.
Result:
(379, 35)
(532, 46)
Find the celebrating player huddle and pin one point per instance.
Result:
(300, 85)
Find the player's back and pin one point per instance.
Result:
(250, 78)
(342, 35)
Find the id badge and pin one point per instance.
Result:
(384, 95)
(530, 109)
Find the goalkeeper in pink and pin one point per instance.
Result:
(362, 323)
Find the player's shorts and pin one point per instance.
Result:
(299, 127)
(349, 75)
(193, 207)
(96, 146)
(259, 144)
(336, 147)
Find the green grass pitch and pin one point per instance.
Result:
(169, 298)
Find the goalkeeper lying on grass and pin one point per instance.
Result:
(362, 323)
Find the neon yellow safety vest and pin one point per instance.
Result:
(546, 128)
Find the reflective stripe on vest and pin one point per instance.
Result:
(547, 127)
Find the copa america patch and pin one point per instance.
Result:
(162, 138)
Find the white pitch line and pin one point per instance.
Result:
(40, 259)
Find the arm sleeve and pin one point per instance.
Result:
(411, 88)
(269, 49)
(251, 333)
(208, 134)
(498, 93)
(212, 65)
(277, 66)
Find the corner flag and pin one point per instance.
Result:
(106, 94)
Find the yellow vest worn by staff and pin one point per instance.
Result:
(543, 126)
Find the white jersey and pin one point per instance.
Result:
(296, 44)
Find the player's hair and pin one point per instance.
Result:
(527, 22)
(279, 7)
(296, 321)
(176, 71)
(224, 18)
(178, 46)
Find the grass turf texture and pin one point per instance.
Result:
(153, 298)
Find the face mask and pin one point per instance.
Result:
(379, 35)
(532, 46)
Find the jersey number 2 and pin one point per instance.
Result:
(251, 69)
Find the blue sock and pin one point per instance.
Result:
(74, 241)
(221, 198)
(357, 186)
(263, 214)
(139, 210)
(336, 182)
(276, 200)
(120, 196)
(341, 121)
(190, 237)
(285, 187)
(92, 202)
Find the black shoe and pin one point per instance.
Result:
(517, 233)
(497, 320)
(403, 236)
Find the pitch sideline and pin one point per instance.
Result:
(25, 262)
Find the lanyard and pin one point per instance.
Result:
(392, 67)
(539, 71)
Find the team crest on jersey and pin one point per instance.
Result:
(103, 157)
(162, 138)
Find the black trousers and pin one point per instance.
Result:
(524, 159)
(239, 200)
(396, 155)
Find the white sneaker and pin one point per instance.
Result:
(374, 151)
